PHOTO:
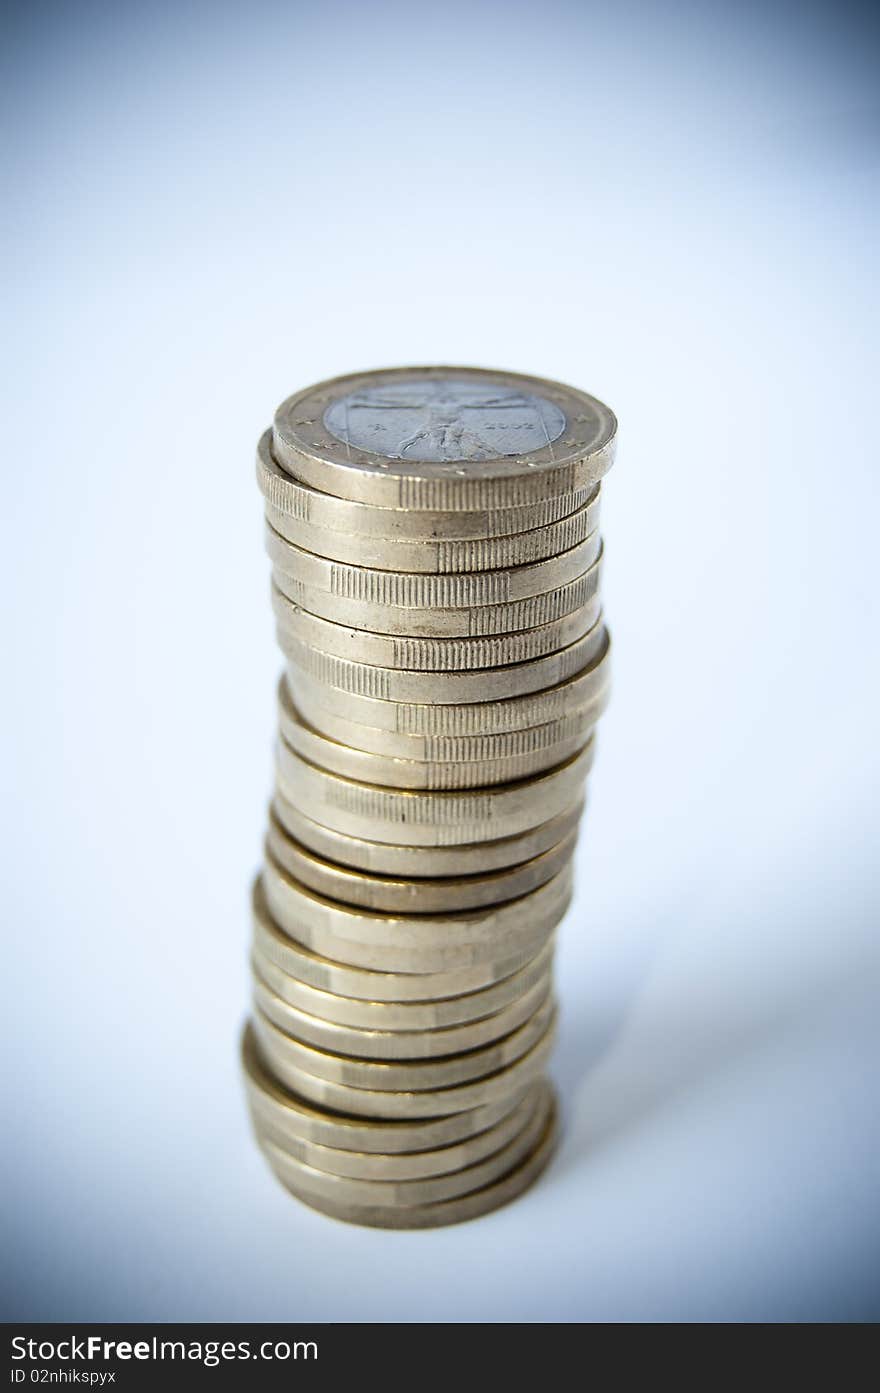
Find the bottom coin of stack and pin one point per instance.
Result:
(436, 585)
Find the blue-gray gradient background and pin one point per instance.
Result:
(671, 205)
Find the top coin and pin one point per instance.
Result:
(442, 438)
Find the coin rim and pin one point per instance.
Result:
(370, 1043)
(399, 1104)
(438, 1013)
(270, 1117)
(430, 1189)
(289, 494)
(376, 984)
(403, 1076)
(439, 555)
(390, 894)
(353, 1132)
(326, 463)
(365, 853)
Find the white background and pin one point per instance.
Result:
(672, 206)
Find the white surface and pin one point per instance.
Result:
(673, 208)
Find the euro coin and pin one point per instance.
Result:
(414, 818)
(407, 1017)
(409, 1045)
(382, 1137)
(285, 493)
(452, 1211)
(465, 621)
(457, 859)
(404, 894)
(444, 438)
(401, 1194)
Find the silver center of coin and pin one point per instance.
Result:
(432, 420)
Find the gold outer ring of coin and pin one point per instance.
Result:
(405, 895)
(428, 961)
(362, 1043)
(468, 718)
(470, 621)
(294, 906)
(384, 858)
(368, 1135)
(370, 984)
(430, 1216)
(418, 590)
(444, 688)
(419, 1076)
(367, 768)
(269, 1114)
(537, 742)
(268, 1119)
(407, 1017)
(414, 818)
(296, 499)
(304, 447)
(439, 556)
(438, 1102)
(430, 654)
(430, 1189)
(437, 952)
(268, 1122)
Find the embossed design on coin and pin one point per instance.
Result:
(437, 420)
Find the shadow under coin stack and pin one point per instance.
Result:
(436, 566)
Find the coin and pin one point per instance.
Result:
(469, 621)
(415, 818)
(420, 943)
(438, 1102)
(365, 767)
(428, 1216)
(440, 556)
(360, 1134)
(430, 654)
(395, 1044)
(414, 590)
(443, 688)
(399, 1195)
(268, 1108)
(405, 894)
(435, 959)
(405, 1016)
(369, 984)
(538, 743)
(281, 1051)
(294, 906)
(453, 1211)
(364, 854)
(443, 438)
(465, 718)
(289, 495)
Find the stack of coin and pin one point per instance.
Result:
(436, 563)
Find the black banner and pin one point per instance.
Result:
(123, 1357)
(319, 1355)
